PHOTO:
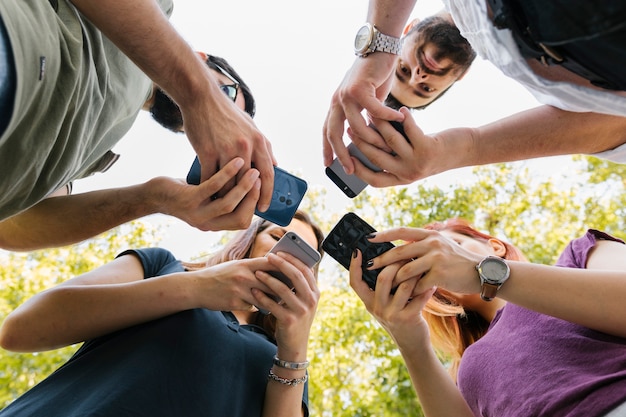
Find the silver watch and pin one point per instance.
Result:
(369, 39)
(493, 272)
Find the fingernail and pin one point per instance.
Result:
(355, 253)
(238, 162)
(370, 236)
(370, 263)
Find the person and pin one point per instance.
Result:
(67, 219)
(74, 88)
(170, 338)
(413, 84)
(547, 342)
(578, 114)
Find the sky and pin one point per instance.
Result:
(293, 55)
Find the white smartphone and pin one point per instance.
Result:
(294, 245)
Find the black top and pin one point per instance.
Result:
(193, 363)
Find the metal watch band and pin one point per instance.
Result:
(386, 43)
(290, 365)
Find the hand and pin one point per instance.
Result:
(431, 258)
(403, 160)
(197, 205)
(296, 309)
(365, 86)
(228, 286)
(398, 313)
(219, 132)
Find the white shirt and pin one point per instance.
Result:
(498, 47)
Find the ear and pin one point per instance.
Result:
(498, 247)
(202, 55)
(409, 26)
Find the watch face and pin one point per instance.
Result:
(494, 270)
(363, 39)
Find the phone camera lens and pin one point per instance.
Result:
(289, 202)
(282, 199)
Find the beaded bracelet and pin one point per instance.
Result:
(290, 365)
(291, 382)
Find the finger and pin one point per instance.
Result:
(334, 136)
(356, 280)
(218, 179)
(264, 162)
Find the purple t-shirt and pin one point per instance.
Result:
(530, 364)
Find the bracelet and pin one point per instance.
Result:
(290, 365)
(291, 382)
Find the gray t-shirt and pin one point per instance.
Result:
(76, 96)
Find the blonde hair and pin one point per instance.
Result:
(240, 247)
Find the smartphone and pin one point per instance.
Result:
(294, 245)
(288, 192)
(350, 184)
(350, 234)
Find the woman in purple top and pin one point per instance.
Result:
(552, 343)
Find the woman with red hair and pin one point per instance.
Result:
(523, 339)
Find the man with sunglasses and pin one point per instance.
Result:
(73, 76)
(67, 219)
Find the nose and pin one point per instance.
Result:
(419, 76)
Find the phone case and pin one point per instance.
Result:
(293, 244)
(288, 192)
(350, 234)
(350, 184)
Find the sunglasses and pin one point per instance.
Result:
(230, 90)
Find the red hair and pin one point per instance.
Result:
(452, 327)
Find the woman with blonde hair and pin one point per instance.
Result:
(531, 340)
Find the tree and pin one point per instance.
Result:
(25, 274)
(357, 370)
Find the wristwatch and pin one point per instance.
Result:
(368, 39)
(493, 272)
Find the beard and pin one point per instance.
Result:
(165, 112)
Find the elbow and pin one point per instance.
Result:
(8, 339)
(13, 338)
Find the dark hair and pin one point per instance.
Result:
(447, 37)
(214, 62)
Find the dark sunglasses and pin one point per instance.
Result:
(230, 90)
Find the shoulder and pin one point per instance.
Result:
(155, 261)
(577, 252)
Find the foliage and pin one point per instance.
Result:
(23, 275)
(357, 370)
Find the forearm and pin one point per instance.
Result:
(283, 400)
(65, 220)
(390, 16)
(437, 392)
(74, 313)
(542, 131)
(590, 298)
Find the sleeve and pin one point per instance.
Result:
(155, 261)
(577, 251)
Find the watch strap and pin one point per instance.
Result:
(488, 291)
(386, 43)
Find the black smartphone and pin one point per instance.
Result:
(288, 192)
(350, 184)
(294, 245)
(350, 234)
